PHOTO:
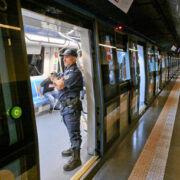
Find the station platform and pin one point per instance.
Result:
(152, 149)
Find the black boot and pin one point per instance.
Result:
(67, 152)
(74, 162)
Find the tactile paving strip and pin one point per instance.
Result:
(152, 160)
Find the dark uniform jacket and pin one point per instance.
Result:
(73, 85)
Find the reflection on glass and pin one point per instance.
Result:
(108, 61)
(112, 117)
(108, 64)
(36, 62)
(109, 54)
(134, 63)
(123, 63)
(124, 99)
(157, 60)
(19, 169)
(151, 60)
(134, 104)
(163, 62)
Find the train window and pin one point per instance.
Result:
(36, 63)
(108, 63)
(108, 66)
(163, 62)
(157, 61)
(123, 64)
(151, 60)
(134, 62)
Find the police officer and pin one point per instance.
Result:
(70, 83)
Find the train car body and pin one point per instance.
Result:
(123, 73)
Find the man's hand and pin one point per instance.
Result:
(59, 83)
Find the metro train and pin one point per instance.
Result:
(123, 74)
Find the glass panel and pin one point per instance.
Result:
(158, 66)
(17, 131)
(134, 107)
(134, 63)
(163, 71)
(133, 53)
(151, 60)
(108, 64)
(151, 65)
(36, 62)
(142, 77)
(124, 110)
(123, 64)
(112, 120)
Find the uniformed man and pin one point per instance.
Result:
(70, 83)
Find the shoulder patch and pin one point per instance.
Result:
(66, 77)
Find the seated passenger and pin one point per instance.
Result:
(49, 93)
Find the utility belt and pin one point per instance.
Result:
(73, 103)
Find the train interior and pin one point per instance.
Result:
(46, 39)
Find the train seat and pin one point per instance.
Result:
(36, 99)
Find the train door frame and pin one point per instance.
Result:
(19, 156)
(156, 54)
(87, 24)
(120, 89)
(143, 44)
(163, 70)
(150, 99)
(124, 86)
(133, 56)
(168, 65)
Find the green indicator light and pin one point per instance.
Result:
(7, 112)
(16, 112)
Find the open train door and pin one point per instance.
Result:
(18, 151)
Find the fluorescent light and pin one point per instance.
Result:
(108, 46)
(119, 49)
(56, 40)
(133, 50)
(34, 37)
(112, 47)
(70, 32)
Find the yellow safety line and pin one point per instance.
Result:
(144, 161)
(84, 169)
(10, 27)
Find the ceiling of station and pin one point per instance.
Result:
(156, 19)
(159, 20)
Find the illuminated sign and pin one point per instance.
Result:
(124, 5)
(3, 5)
